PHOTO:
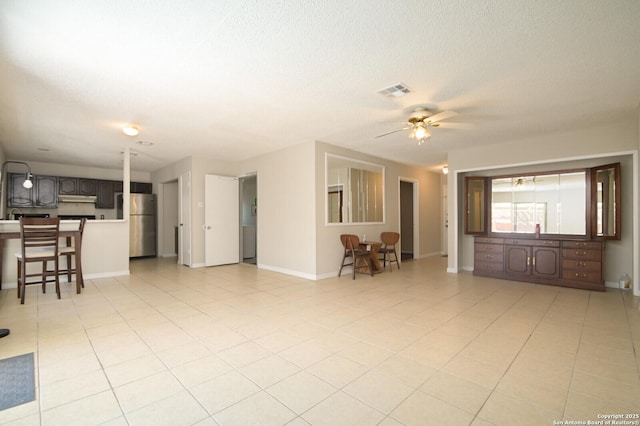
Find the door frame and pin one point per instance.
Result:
(416, 213)
(184, 220)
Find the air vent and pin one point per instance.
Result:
(395, 91)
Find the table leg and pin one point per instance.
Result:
(79, 277)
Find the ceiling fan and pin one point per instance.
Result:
(419, 122)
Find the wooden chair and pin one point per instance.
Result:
(39, 240)
(389, 242)
(69, 251)
(353, 251)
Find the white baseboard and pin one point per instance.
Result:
(64, 279)
(292, 272)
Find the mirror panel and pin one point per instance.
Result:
(555, 201)
(475, 205)
(606, 198)
(354, 191)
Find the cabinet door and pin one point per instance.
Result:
(516, 259)
(86, 186)
(67, 186)
(475, 202)
(18, 195)
(546, 262)
(46, 191)
(105, 193)
(140, 188)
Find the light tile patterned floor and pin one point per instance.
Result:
(235, 345)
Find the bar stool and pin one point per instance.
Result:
(68, 252)
(39, 240)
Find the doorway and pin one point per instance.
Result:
(249, 219)
(408, 219)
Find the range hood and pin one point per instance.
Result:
(77, 199)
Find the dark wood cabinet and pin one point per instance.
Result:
(67, 186)
(46, 189)
(105, 191)
(532, 257)
(44, 192)
(76, 186)
(140, 188)
(86, 186)
(18, 195)
(567, 263)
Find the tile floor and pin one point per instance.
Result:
(235, 345)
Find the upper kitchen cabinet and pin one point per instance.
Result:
(76, 186)
(105, 190)
(141, 188)
(43, 194)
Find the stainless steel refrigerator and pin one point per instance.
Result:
(142, 224)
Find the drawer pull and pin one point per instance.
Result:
(581, 253)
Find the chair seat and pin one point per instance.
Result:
(38, 254)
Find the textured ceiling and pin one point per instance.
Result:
(231, 80)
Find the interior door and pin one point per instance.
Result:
(221, 220)
(184, 219)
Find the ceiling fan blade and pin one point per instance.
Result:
(394, 131)
(440, 116)
(455, 125)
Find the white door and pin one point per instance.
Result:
(221, 220)
(184, 219)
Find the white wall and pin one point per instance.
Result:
(286, 237)
(599, 145)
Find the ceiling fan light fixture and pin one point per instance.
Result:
(420, 132)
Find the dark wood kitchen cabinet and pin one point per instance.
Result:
(140, 188)
(76, 186)
(44, 192)
(18, 195)
(105, 191)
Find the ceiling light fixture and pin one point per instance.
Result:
(420, 133)
(130, 130)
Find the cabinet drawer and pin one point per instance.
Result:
(490, 248)
(488, 257)
(582, 254)
(581, 265)
(532, 243)
(586, 245)
(488, 240)
(589, 276)
(481, 265)
(545, 243)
